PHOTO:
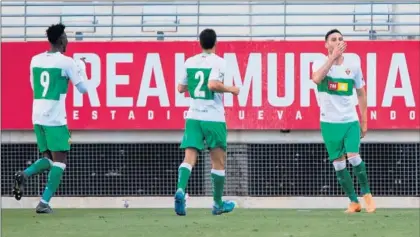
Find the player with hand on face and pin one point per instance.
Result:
(50, 73)
(205, 122)
(336, 76)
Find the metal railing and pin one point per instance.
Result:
(245, 20)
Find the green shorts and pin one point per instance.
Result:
(52, 138)
(196, 132)
(341, 138)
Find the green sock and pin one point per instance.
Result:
(38, 167)
(218, 180)
(346, 183)
(362, 178)
(184, 173)
(54, 180)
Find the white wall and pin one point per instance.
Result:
(330, 21)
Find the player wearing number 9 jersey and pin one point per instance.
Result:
(50, 73)
(205, 122)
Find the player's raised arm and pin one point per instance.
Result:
(321, 70)
(76, 72)
(362, 98)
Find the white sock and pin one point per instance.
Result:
(186, 165)
(339, 165)
(355, 160)
(218, 172)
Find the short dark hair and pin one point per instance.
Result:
(208, 38)
(54, 32)
(331, 32)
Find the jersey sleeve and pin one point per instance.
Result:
(358, 78)
(75, 71)
(218, 71)
(183, 80)
(316, 65)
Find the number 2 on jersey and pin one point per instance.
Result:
(198, 93)
(45, 82)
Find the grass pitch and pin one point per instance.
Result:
(200, 223)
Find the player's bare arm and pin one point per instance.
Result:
(362, 98)
(182, 88)
(320, 74)
(218, 86)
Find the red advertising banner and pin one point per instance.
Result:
(134, 84)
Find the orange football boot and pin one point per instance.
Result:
(354, 207)
(370, 204)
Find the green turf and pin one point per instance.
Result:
(200, 223)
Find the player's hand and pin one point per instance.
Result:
(363, 128)
(339, 49)
(234, 90)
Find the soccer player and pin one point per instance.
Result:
(205, 121)
(50, 73)
(336, 76)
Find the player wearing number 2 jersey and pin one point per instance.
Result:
(50, 73)
(205, 122)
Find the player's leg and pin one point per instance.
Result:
(45, 162)
(192, 142)
(37, 167)
(215, 134)
(58, 142)
(333, 136)
(352, 145)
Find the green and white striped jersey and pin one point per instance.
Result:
(205, 105)
(336, 92)
(49, 77)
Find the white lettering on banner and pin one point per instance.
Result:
(298, 115)
(251, 83)
(180, 99)
(131, 115)
(280, 114)
(150, 115)
(112, 80)
(93, 82)
(398, 64)
(241, 115)
(260, 114)
(75, 114)
(253, 75)
(412, 115)
(393, 115)
(151, 65)
(373, 115)
(273, 84)
(95, 115)
(371, 79)
(306, 85)
(113, 114)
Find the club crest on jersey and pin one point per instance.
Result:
(348, 71)
(338, 86)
